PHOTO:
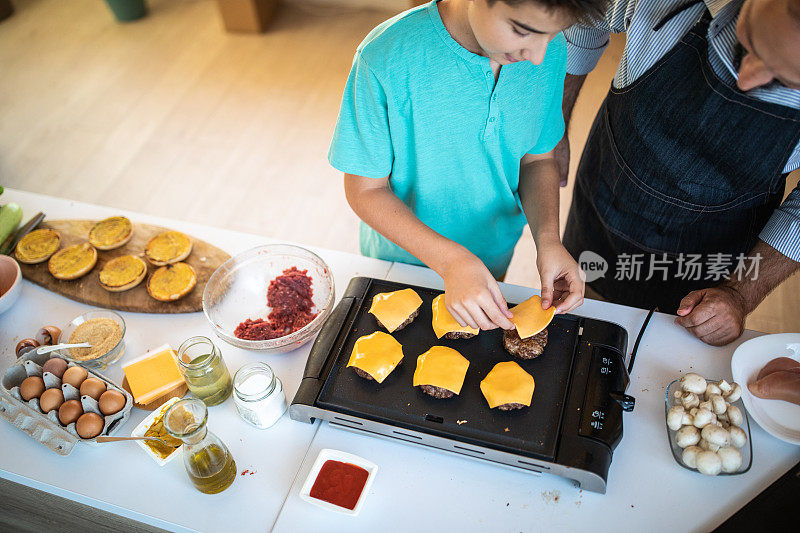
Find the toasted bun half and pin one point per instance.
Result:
(167, 248)
(37, 246)
(123, 273)
(171, 282)
(73, 261)
(111, 233)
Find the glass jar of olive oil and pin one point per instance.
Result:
(208, 461)
(204, 370)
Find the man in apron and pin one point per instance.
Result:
(680, 184)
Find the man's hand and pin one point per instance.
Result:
(715, 316)
(473, 296)
(561, 155)
(562, 285)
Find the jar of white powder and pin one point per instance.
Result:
(258, 394)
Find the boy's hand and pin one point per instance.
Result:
(472, 295)
(562, 285)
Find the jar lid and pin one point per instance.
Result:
(254, 381)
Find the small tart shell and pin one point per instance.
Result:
(172, 282)
(37, 246)
(73, 261)
(123, 273)
(167, 248)
(111, 233)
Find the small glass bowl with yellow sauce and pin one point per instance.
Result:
(104, 330)
(153, 426)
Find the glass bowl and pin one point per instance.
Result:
(101, 362)
(677, 451)
(237, 290)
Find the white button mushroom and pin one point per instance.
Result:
(734, 394)
(709, 463)
(675, 417)
(724, 386)
(703, 417)
(706, 405)
(738, 437)
(687, 436)
(731, 459)
(716, 435)
(705, 445)
(695, 383)
(689, 456)
(689, 400)
(735, 415)
(718, 405)
(712, 388)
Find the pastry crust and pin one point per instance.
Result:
(37, 246)
(73, 261)
(111, 233)
(172, 282)
(123, 273)
(167, 248)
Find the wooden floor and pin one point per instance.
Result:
(172, 116)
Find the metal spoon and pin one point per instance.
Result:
(41, 350)
(116, 439)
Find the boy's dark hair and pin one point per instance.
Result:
(581, 10)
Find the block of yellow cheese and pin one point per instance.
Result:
(394, 308)
(376, 354)
(443, 321)
(153, 374)
(441, 367)
(530, 318)
(507, 383)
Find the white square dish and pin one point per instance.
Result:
(327, 454)
(140, 430)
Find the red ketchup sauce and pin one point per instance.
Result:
(339, 483)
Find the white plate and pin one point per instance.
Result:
(779, 418)
(325, 455)
(140, 430)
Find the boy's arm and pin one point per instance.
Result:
(472, 295)
(538, 192)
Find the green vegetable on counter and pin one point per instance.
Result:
(10, 217)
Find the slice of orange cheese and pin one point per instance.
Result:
(441, 367)
(394, 308)
(376, 354)
(443, 321)
(153, 374)
(507, 383)
(530, 318)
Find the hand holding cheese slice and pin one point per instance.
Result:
(507, 386)
(376, 355)
(530, 318)
(441, 367)
(445, 324)
(394, 309)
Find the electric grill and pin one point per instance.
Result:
(571, 428)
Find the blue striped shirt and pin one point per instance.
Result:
(644, 47)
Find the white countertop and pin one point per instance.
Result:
(645, 486)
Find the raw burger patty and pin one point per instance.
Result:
(437, 392)
(524, 348)
(511, 406)
(458, 335)
(408, 321)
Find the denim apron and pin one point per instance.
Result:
(677, 163)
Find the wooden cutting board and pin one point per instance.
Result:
(204, 258)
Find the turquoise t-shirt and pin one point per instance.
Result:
(423, 109)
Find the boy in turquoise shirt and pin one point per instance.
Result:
(445, 135)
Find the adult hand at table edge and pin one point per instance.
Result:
(714, 315)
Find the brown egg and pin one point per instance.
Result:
(111, 402)
(31, 387)
(93, 387)
(51, 399)
(74, 375)
(89, 425)
(70, 411)
(55, 366)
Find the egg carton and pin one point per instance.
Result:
(46, 428)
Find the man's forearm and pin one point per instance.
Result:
(572, 88)
(773, 269)
(538, 193)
